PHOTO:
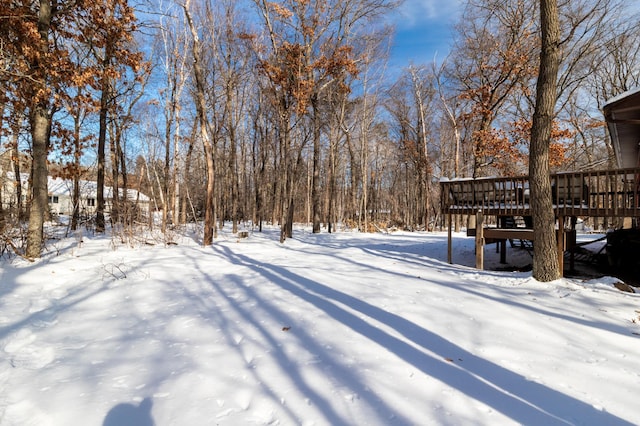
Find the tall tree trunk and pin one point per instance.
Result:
(15, 156)
(152, 194)
(176, 191)
(187, 176)
(284, 186)
(315, 180)
(545, 255)
(102, 143)
(424, 149)
(355, 176)
(166, 205)
(363, 218)
(206, 133)
(456, 136)
(125, 181)
(233, 161)
(115, 181)
(259, 153)
(40, 121)
(40, 129)
(77, 154)
(331, 178)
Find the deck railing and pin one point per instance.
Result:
(603, 193)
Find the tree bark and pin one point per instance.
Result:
(40, 125)
(545, 259)
(17, 171)
(40, 121)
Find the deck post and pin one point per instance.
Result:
(572, 252)
(449, 239)
(560, 244)
(479, 240)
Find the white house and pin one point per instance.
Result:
(60, 194)
(61, 190)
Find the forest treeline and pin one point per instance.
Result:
(287, 111)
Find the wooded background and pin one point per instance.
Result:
(286, 111)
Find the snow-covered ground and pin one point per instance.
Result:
(326, 329)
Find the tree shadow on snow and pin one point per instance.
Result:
(130, 414)
(510, 393)
(433, 259)
(335, 370)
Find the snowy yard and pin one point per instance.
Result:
(327, 329)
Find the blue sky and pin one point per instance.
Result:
(423, 31)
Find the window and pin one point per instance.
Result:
(91, 202)
(53, 199)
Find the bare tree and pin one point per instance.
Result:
(78, 112)
(616, 67)
(408, 102)
(491, 65)
(173, 57)
(129, 92)
(448, 105)
(233, 64)
(423, 97)
(206, 131)
(113, 51)
(585, 27)
(284, 71)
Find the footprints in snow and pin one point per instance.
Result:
(24, 351)
(21, 345)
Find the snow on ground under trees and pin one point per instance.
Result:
(325, 329)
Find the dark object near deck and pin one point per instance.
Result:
(623, 250)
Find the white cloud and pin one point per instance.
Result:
(415, 12)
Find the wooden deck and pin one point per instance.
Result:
(606, 193)
(602, 194)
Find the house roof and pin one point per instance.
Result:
(622, 114)
(88, 189)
